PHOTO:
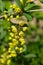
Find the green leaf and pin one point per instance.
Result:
(38, 15)
(27, 16)
(1, 22)
(2, 33)
(24, 2)
(1, 5)
(19, 4)
(30, 56)
(7, 5)
(4, 24)
(6, 38)
(25, 48)
(29, 6)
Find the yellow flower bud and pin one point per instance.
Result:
(9, 50)
(21, 1)
(5, 11)
(5, 16)
(11, 16)
(15, 41)
(17, 17)
(10, 38)
(14, 6)
(14, 29)
(17, 10)
(8, 19)
(29, 0)
(21, 40)
(8, 62)
(13, 54)
(11, 6)
(12, 34)
(16, 48)
(16, 37)
(20, 50)
(2, 61)
(21, 33)
(25, 28)
(21, 23)
(10, 44)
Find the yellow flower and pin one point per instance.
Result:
(12, 26)
(10, 38)
(5, 16)
(4, 49)
(16, 48)
(29, 0)
(13, 54)
(14, 29)
(11, 6)
(9, 50)
(12, 34)
(15, 42)
(8, 19)
(21, 33)
(5, 11)
(25, 28)
(21, 1)
(2, 61)
(14, 6)
(17, 10)
(8, 62)
(21, 40)
(10, 44)
(16, 37)
(20, 50)
(11, 16)
(17, 17)
(21, 23)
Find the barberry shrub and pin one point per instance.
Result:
(21, 32)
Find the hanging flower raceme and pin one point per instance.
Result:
(17, 41)
(16, 33)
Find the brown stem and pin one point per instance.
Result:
(37, 10)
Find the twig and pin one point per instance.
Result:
(37, 10)
(1, 17)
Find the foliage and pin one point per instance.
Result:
(21, 42)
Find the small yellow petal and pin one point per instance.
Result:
(25, 28)
(8, 19)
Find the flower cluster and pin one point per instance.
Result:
(15, 8)
(5, 60)
(8, 17)
(16, 40)
(15, 44)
